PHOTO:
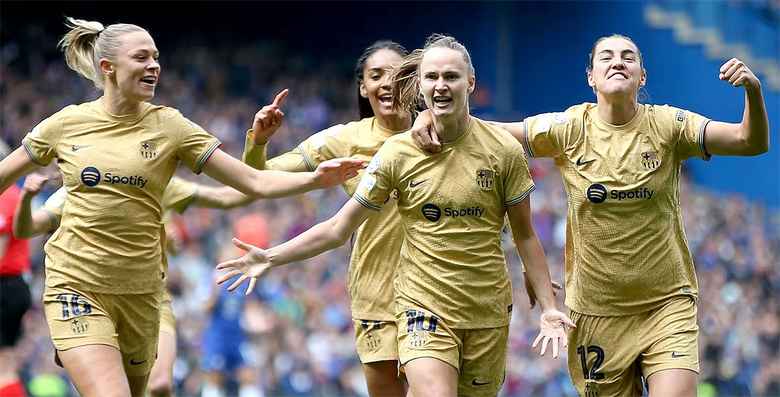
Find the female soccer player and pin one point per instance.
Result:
(117, 155)
(628, 266)
(453, 294)
(178, 196)
(378, 242)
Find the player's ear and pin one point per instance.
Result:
(363, 89)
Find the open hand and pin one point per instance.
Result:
(337, 171)
(552, 328)
(250, 266)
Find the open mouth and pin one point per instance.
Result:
(441, 101)
(620, 75)
(386, 99)
(149, 80)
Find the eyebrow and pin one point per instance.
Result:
(145, 51)
(624, 52)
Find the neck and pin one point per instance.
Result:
(451, 128)
(396, 122)
(118, 105)
(618, 109)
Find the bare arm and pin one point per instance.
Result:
(15, 166)
(751, 136)
(322, 237)
(272, 184)
(26, 222)
(552, 322)
(532, 253)
(224, 197)
(427, 139)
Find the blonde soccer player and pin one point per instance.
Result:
(117, 155)
(630, 279)
(178, 196)
(453, 293)
(377, 243)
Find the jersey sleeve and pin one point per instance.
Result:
(327, 144)
(546, 134)
(40, 143)
(195, 145)
(690, 129)
(179, 194)
(54, 204)
(517, 180)
(254, 155)
(377, 182)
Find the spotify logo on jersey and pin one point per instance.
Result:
(431, 212)
(90, 176)
(597, 193)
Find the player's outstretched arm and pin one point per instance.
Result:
(224, 197)
(324, 236)
(26, 222)
(14, 166)
(273, 184)
(552, 322)
(751, 136)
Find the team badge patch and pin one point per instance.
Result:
(79, 325)
(650, 160)
(485, 179)
(148, 150)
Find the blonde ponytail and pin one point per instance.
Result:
(87, 42)
(405, 83)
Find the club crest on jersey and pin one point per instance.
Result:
(485, 179)
(148, 150)
(650, 159)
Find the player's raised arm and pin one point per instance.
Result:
(15, 166)
(26, 222)
(324, 236)
(552, 322)
(751, 136)
(273, 184)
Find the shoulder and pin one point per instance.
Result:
(496, 137)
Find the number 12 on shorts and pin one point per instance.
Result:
(592, 373)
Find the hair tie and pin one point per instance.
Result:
(99, 32)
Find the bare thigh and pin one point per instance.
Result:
(431, 377)
(96, 370)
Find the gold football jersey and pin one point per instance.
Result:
(377, 243)
(115, 169)
(452, 207)
(626, 251)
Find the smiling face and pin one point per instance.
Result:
(446, 82)
(616, 68)
(135, 72)
(375, 84)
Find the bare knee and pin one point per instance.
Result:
(161, 387)
(382, 379)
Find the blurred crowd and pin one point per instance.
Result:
(295, 332)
